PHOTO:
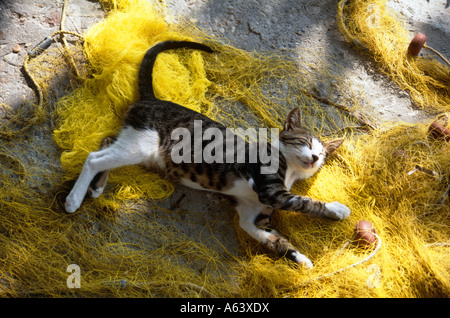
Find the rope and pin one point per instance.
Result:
(39, 110)
(64, 41)
(370, 256)
(437, 53)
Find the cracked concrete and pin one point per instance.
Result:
(251, 25)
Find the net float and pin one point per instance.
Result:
(364, 234)
(439, 131)
(416, 44)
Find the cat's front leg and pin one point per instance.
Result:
(278, 197)
(334, 210)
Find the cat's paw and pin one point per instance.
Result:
(336, 211)
(72, 204)
(95, 193)
(301, 259)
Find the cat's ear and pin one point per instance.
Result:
(294, 119)
(331, 145)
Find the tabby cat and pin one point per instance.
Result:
(146, 139)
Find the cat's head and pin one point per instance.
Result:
(302, 149)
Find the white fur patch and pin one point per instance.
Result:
(300, 162)
(145, 143)
(337, 211)
(241, 189)
(302, 259)
(131, 147)
(193, 185)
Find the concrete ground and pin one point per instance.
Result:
(259, 25)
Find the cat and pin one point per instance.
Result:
(145, 139)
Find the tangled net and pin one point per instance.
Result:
(373, 28)
(131, 243)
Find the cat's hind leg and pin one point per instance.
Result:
(255, 221)
(98, 184)
(131, 147)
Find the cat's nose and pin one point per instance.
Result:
(314, 158)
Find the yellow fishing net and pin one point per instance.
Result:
(130, 243)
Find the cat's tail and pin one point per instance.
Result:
(146, 68)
